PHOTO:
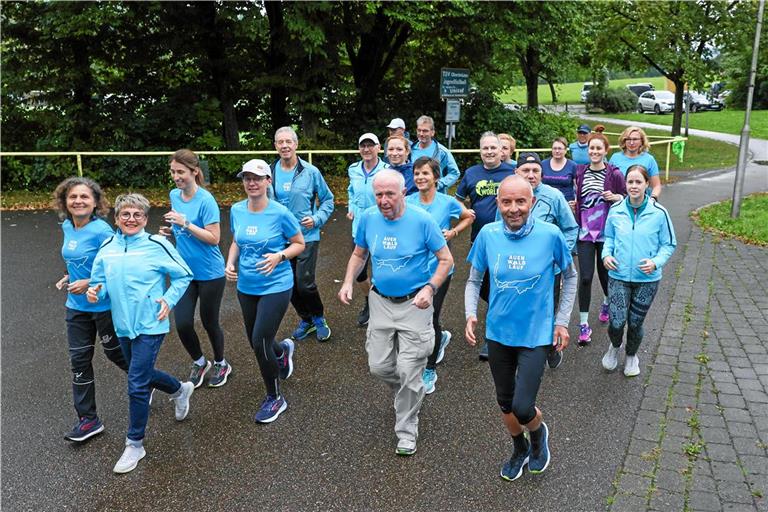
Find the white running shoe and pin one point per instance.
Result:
(632, 366)
(129, 459)
(182, 401)
(611, 358)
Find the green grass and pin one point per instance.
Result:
(571, 92)
(700, 154)
(725, 121)
(751, 226)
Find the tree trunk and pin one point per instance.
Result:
(82, 90)
(677, 116)
(278, 94)
(530, 66)
(552, 90)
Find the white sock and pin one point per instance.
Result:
(223, 362)
(201, 361)
(583, 317)
(605, 301)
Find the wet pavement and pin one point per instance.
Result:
(333, 449)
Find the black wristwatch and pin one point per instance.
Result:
(186, 223)
(282, 256)
(434, 288)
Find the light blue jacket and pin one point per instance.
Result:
(132, 271)
(307, 189)
(360, 190)
(449, 171)
(633, 234)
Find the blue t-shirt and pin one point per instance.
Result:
(257, 234)
(579, 153)
(400, 249)
(79, 249)
(481, 185)
(283, 182)
(623, 162)
(562, 180)
(205, 260)
(521, 271)
(443, 208)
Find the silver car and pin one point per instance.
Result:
(659, 102)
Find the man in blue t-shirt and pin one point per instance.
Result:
(579, 153)
(521, 254)
(478, 189)
(426, 145)
(400, 239)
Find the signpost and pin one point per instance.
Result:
(454, 84)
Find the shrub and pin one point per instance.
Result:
(612, 101)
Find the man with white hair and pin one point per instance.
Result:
(400, 336)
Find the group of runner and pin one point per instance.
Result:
(524, 233)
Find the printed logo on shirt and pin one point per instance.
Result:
(389, 242)
(486, 188)
(394, 263)
(515, 262)
(79, 263)
(72, 245)
(253, 250)
(251, 230)
(520, 285)
(179, 232)
(287, 186)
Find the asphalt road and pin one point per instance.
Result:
(333, 449)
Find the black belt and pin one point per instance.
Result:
(396, 300)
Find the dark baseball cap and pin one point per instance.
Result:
(584, 129)
(528, 158)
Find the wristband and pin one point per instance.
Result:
(434, 288)
(186, 223)
(283, 256)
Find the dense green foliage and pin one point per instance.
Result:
(612, 100)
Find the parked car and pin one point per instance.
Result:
(699, 101)
(639, 89)
(585, 91)
(659, 102)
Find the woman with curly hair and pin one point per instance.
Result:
(635, 151)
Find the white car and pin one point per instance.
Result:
(585, 91)
(659, 102)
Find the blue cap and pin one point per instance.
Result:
(584, 129)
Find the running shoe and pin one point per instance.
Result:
(611, 358)
(362, 317)
(538, 462)
(483, 355)
(303, 330)
(445, 339)
(220, 374)
(513, 468)
(270, 409)
(554, 358)
(197, 374)
(322, 331)
(632, 366)
(603, 317)
(129, 459)
(405, 447)
(585, 334)
(182, 401)
(430, 378)
(285, 362)
(84, 429)
(152, 396)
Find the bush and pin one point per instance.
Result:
(612, 101)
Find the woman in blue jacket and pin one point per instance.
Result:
(131, 269)
(639, 239)
(82, 206)
(195, 224)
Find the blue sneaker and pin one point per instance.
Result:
(322, 331)
(483, 355)
(538, 462)
(303, 330)
(85, 428)
(445, 339)
(429, 377)
(270, 409)
(285, 362)
(513, 468)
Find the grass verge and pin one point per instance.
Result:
(751, 227)
(571, 92)
(725, 121)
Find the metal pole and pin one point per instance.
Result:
(741, 165)
(79, 165)
(666, 172)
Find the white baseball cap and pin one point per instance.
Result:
(368, 136)
(256, 166)
(396, 123)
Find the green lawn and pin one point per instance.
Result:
(700, 154)
(571, 92)
(750, 227)
(725, 121)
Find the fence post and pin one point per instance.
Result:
(666, 171)
(309, 156)
(80, 165)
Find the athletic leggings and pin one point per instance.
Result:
(210, 294)
(628, 304)
(517, 375)
(437, 303)
(262, 315)
(589, 253)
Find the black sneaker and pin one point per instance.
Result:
(483, 355)
(554, 358)
(85, 428)
(197, 374)
(362, 317)
(513, 468)
(285, 362)
(219, 375)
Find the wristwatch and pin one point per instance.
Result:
(186, 223)
(282, 256)
(434, 288)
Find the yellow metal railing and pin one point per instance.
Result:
(309, 153)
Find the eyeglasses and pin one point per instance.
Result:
(134, 215)
(633, 139)
(256, 178)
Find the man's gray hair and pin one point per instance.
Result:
(137, 201)
(426, 120)
(289, 130)
(489, 134)
(390, 173)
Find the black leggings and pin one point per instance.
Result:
(437, 303)
(517, 375)
(262, 315)
(589, 253)
(210, 294)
